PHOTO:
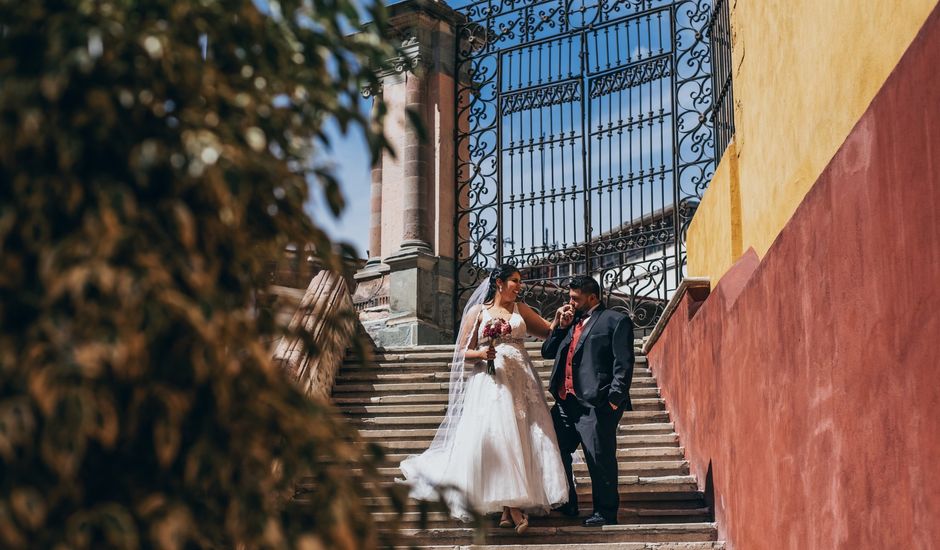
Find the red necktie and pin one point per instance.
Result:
(567, 386)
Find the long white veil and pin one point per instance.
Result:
(418, 467)
(460, 370)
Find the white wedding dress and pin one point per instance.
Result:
(504, 450)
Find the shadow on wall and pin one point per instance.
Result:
(709, 491)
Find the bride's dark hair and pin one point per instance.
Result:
(499, 273)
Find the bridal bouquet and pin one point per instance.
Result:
(494, 329)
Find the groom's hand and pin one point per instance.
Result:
(564, 316)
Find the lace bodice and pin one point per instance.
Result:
(514, 368)
(518, 334)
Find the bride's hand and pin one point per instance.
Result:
(488, 353)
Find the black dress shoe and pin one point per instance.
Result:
(597, 520)
(569, 509)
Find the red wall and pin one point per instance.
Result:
(809, 381)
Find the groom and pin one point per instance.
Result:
(593, 351)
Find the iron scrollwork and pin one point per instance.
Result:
(537, 98)
(583, 145)
(631, 77)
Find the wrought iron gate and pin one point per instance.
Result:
(583, 145)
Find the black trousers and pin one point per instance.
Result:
(595, 429)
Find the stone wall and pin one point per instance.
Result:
(804, 389)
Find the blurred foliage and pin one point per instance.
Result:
(154, 154)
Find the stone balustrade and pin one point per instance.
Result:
(326, 313)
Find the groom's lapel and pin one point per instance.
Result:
(566, 342)
(588, 326)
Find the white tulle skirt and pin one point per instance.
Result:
(504, 451)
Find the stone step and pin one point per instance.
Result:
(427, 433)
(672, 499)
(532, 344)
(647, 428)
(646, 485)
(439, 371)
(344, 386)
(626, 468)
(370, 391)
(418, 382)
(637, 388)
(426, 421)
(654, 512)
(364, 397)
(398, 399)
(631, 441)
(443, 353)
(563, 536)
(434, 373)
(439, 408)
(715, 545)
(418, 433)
(636, 454)
(444, 365)
(680, 487)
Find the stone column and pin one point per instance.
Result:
(414, 208)
(405, 293)
(375, 208)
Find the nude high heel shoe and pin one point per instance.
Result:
(523, 525)
(504, 520)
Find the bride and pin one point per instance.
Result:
(496, 449)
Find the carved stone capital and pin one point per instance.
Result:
(368, 91)
(414, 47)
(424, 30)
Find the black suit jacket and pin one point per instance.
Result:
(602, 366)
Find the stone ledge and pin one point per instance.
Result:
(697, 287)
(412, 258)
(592, 546)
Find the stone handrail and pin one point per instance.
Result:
(697, 287)
(327, 315)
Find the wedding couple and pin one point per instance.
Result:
(499, 448)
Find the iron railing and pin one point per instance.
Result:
(583, 144)
(722, 115)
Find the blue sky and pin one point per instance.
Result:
(349, 155)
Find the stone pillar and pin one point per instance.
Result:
(414, 207)
(405, 292)
(375, 212)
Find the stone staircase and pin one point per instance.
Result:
(400, 398)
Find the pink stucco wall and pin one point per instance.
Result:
(809, 382)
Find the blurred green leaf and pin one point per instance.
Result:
(154, 158)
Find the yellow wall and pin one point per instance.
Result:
(713, 242)
(804, 73)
